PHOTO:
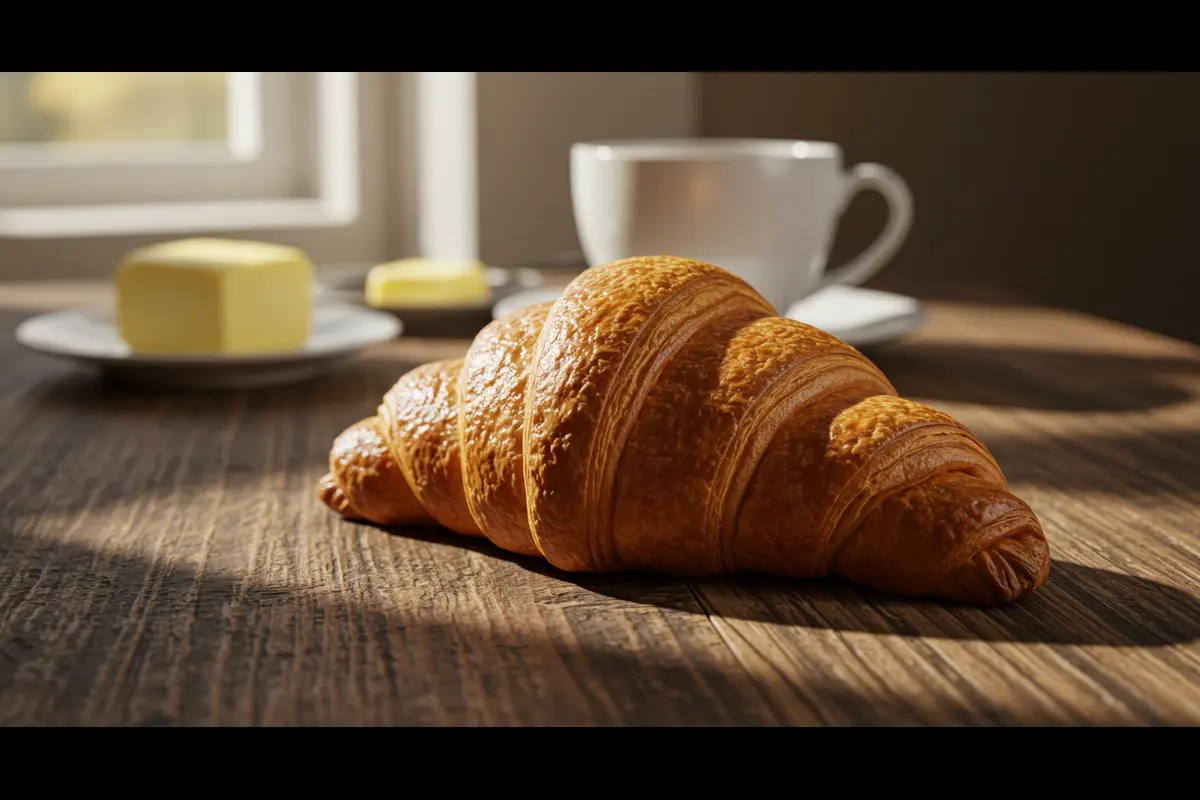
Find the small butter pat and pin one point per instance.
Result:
(214, 296)
(427, 282)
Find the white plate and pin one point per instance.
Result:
(860, 317)
(90, 336)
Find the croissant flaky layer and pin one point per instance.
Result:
(659, 416)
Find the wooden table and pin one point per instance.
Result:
(163, 560)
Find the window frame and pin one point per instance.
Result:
(291, 160)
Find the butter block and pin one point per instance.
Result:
(427, 282)
(214, 296)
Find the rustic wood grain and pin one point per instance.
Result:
(163, 561)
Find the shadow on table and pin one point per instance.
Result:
(1129, 465)
(1016, 377)
(1078, 605)
(86, 441)
(101, 638)
(113, 639)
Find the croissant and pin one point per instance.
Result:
(660, 417)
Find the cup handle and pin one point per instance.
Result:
(900, 211)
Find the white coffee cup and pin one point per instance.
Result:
(764, 209)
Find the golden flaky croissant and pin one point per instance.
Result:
(659, 416)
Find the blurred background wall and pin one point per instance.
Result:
(527, 123)
(1078, 190)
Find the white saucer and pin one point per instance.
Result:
(90, 336)
(860, 317)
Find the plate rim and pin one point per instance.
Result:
(389, 327)
(483, 306)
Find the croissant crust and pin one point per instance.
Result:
(659, 416)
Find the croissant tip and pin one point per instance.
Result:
(329, 493)
(1004, 572)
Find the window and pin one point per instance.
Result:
(103, 153)
(58, 114)
(354, 168)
